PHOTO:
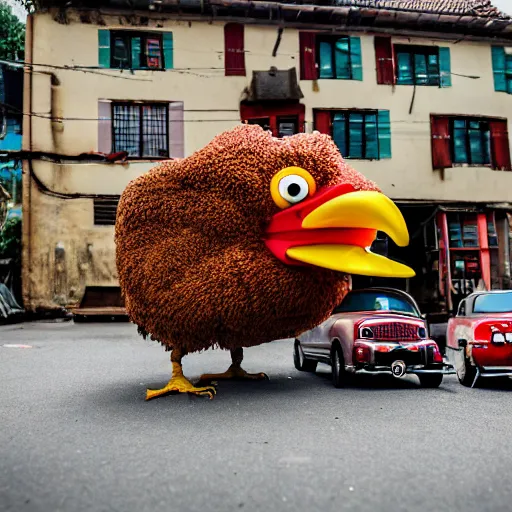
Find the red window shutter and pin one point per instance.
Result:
(307, 43)
(384, 60)
(323, 121)
(500, 146)
(441, 154)
(234, 56)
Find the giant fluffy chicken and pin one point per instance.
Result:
(249, 240)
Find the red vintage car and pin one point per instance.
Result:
(479, 337)
(375, 330)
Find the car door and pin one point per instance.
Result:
(317, 343)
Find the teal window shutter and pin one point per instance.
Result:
(356, 127)
(342, 58)
(168, 50)
(499, 67)
(371, 137)
(479, 142)
(136, 50)
(325, 51)
(356, 58)
(384, 129)
(104, 48)
(433, 77)
(404, 69)
(445, 68)
(460, 154)
(339, 133)
(508, 72)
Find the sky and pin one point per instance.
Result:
(503, 5)
(19, 10)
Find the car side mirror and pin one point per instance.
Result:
(424, 316)
(462, 343)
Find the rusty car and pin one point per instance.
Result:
(372, 331)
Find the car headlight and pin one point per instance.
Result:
(498, 338)
(422, 332)
(508, 337)
(366, 333)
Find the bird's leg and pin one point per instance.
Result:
(178, 382)
(235, 371)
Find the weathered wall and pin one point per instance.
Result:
(200, 45)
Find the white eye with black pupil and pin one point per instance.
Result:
(293, 188)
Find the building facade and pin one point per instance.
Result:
(419, 101)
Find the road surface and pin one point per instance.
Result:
(77, 435)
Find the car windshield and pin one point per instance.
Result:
(493, 303)
(376, 301)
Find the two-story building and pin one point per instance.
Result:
(416, 93)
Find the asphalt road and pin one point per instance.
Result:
(76, 433)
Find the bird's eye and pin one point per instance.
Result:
(291, 186)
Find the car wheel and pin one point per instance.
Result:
(301, 363)
(466, 372)
(430, 380)
(339, 374)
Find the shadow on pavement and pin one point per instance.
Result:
(283, 391)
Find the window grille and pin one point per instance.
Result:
(141, 129)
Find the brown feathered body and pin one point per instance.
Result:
(192, 263)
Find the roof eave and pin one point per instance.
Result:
(312, 16)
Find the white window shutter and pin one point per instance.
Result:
(176, 130)
(104, 127)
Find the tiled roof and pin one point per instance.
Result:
(457, 7)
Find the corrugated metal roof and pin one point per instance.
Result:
(458, 7)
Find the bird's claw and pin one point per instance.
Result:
(209, 391)
(180, 384)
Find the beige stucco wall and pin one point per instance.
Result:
(200, 45)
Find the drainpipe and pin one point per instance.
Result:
(27, 178)
(503, 230)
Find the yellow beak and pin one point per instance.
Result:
(361, 209)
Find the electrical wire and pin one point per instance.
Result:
(183, 70)
(48, 116)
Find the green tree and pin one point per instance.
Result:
(10, 240)
(12, 34)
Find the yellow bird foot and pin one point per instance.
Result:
(233, 373)
(180, 384)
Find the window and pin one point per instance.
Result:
(360, 134)
(234, 54)
(281, 119)
(412, 64)
(136, 51)
(334, 58)
(105, 210)
(330, 57)
(128, 127)
(129, 49)
(417, 65)
(375, 301)
(502, 69)
(141, 129)
(493, 303)
(287, 125)
(471, 141)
